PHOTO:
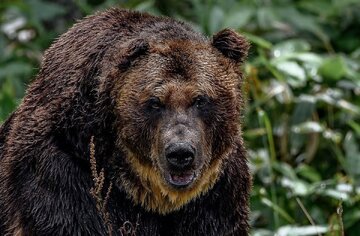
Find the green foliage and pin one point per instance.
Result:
(302, 123)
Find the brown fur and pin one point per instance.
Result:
(153, 194)
(140, 85)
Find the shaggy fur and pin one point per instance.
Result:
(97, 80)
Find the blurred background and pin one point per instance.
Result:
(302, 119)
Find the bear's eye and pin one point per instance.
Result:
(201, 101)
(154, 104)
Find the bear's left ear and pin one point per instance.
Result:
(131, 51)
(231, 45)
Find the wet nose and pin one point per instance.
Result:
(180, 155)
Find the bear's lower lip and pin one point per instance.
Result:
(181, 180)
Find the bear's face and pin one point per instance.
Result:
(178, 108)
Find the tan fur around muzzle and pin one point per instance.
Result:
(155, 195)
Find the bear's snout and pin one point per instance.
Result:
(179, 156)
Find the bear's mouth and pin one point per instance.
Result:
(181, 180)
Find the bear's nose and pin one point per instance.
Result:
(180, 155)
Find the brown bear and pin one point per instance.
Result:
(132, 127)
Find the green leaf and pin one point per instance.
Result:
(7, 99)
(318, 7)
(334, 136)
(307, 127)
(15, 69)
(261, 232)
(302, 113)
(291, 230)
(333, 97)
(308, 57)
(285, 170)
(298, 187)
(336, 194)
(308, 172)
(45, 10)
(352, 217)
(145, 6)
(216, 19)
(303, 21)
(290, 47)
(351, 147)
(292, 69)
(333, 68)
(258, 40)
(238, 19)
(266, 17)
(278, 209)
(355, 126)
(281, 90)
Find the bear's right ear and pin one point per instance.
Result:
(231, 44)
(131, 51)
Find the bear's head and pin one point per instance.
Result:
(162, 102)
(177, 104)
